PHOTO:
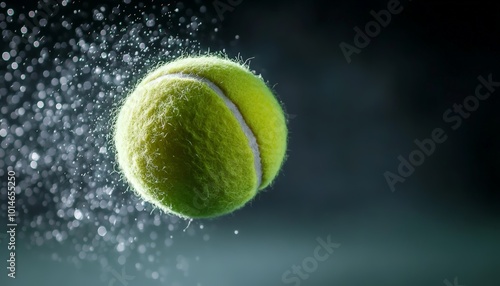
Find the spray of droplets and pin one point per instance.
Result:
(64, 67)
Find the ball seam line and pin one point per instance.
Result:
(252, 139)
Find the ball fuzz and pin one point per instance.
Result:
(200, 136)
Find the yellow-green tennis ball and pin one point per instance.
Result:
(199, 136)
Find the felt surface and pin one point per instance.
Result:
(182, 149)
(256, 102)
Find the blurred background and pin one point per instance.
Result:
(65, 65)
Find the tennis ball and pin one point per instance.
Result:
(200, 136)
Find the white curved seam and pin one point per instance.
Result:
(252, 140)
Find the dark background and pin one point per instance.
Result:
(348, 124)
